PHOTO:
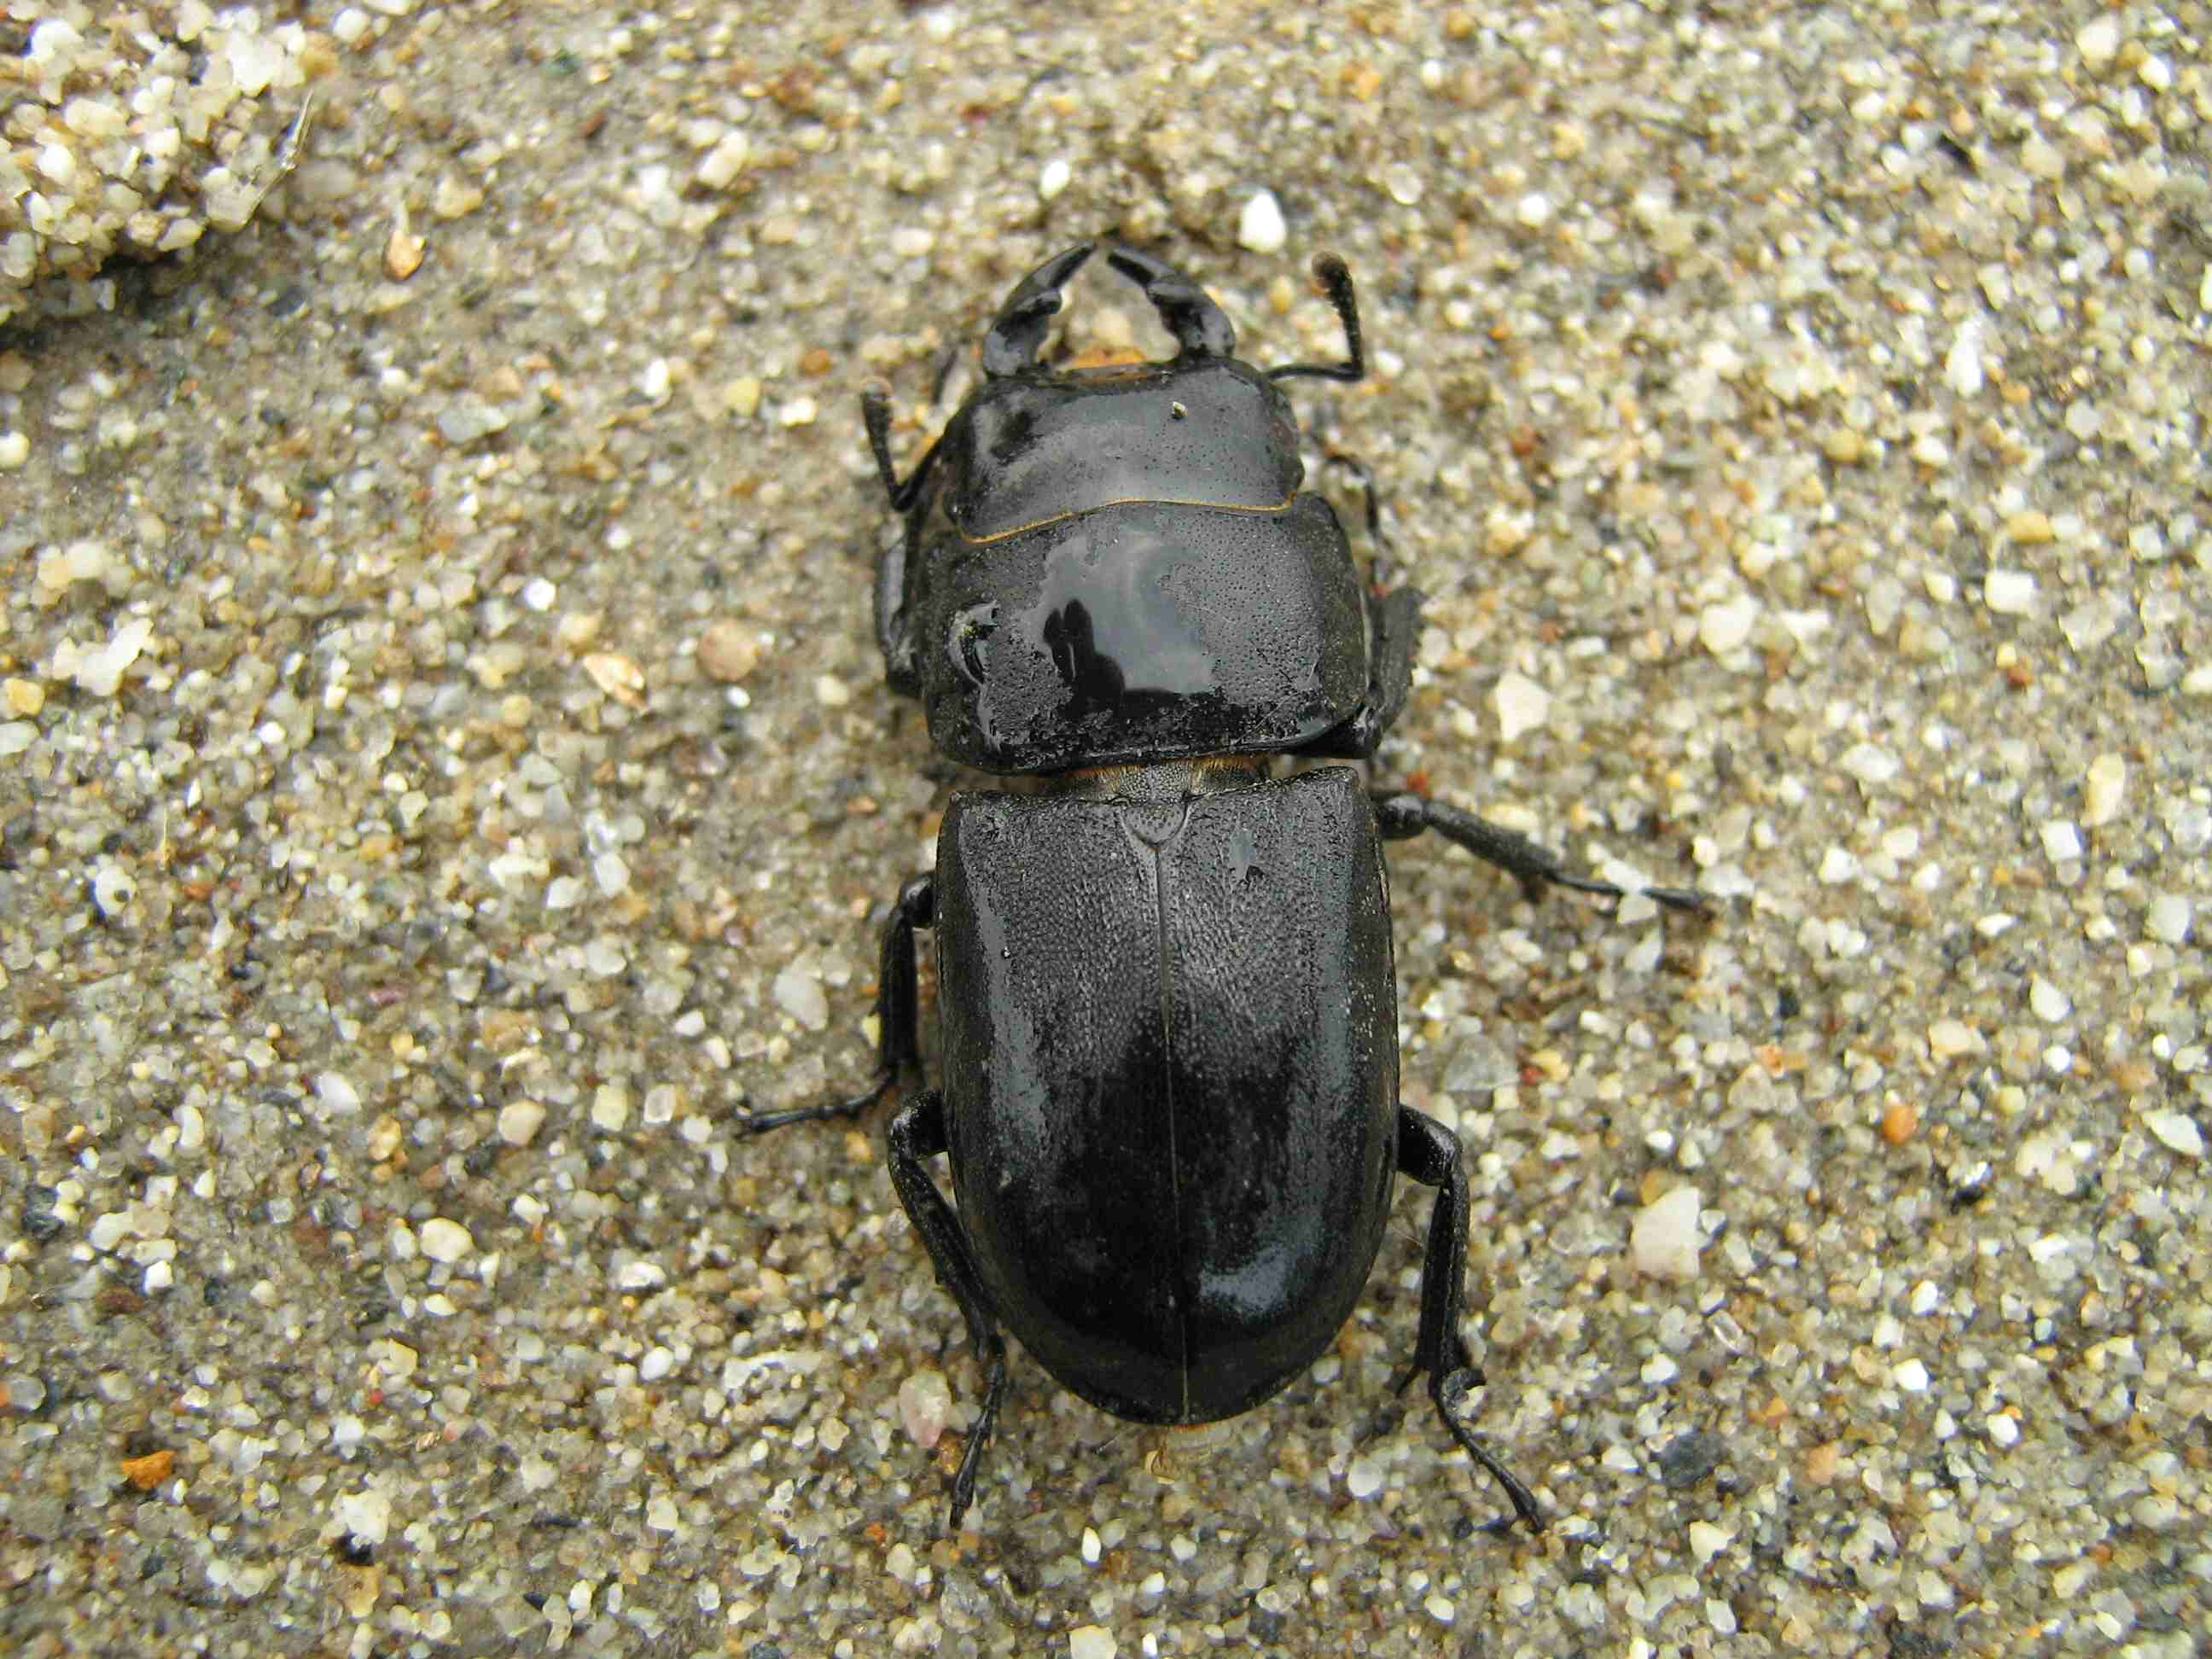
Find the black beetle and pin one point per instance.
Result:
(1166, 981)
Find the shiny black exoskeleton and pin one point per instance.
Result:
(1165, 985)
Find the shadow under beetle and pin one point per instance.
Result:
(1165, 983)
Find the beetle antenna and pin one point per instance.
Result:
(1336, 282)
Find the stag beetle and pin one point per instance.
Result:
(1166, 993)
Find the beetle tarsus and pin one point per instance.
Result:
(896, 1045)
(1401, 815)
(1429, 1153)
(760, 1122)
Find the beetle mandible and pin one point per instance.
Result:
(1166, 993)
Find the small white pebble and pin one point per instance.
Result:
(1363, 1479)
(1664, 1239)
(1261, 227)
(657, 1364)
(2167, 918)
(1054, 178)
(349, 25)
(2004, 1429)
(1091, 1547)
(2062, 840)
(445, 1241)
(366, 1514)
(2009, 593)
(1871, 763)
(1522, 705)
(14, 450)
(1948, 1039)
(1723, 628)
(1911, 1376)
(2050, 1003)
(1532, 210)
(1963, 367)
(2097, 41)
(337, 1093)
(112, 890)
(1838, 865)
(799, 412)
(2176, 1131)
(2105, 790)
(1091, 1642)
(719, 167)
(799, 995)
(519, 1122)
(925, 1405)
(610, 1108)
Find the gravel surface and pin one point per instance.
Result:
(448, 777)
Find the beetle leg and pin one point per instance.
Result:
(917, 1132)
(1336, 283)
(1011, 343)
(896, 1045)
(1429, 1153)
(876, 415)
(1402, 815)
(1199, 325)
(1359, 470)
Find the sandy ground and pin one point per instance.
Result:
(447, 778)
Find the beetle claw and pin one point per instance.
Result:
(754, 1123)
(1199, 325)
(1011, 343)
(1449, 1391)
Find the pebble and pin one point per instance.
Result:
(2176, 1131)
(2009, 593)
(519, 1122)
(2105, 791)
(1091, 1642)
(1870, 763)
(1665, 1237)
(2050, 1003)
(1950, 1039)
(445, 1241)
(337, 1093)
(728, 650)
(719, 167)
(2097, 41)
(1522, 705)
(799, 995)
(114, 890)
(1724, 627)
(1261, 227)
(924, 1407)
(1054, 179)
(2167, 918)
(98, 670)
